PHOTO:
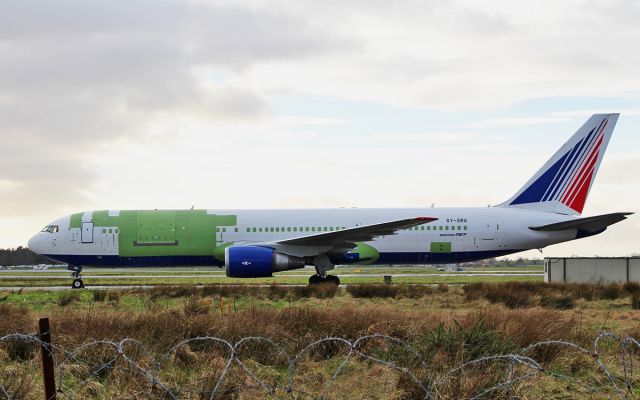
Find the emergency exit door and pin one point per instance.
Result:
(86, 234)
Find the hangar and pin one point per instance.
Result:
(592, 269)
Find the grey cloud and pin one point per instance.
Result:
(75, 75)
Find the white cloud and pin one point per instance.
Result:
(515, 121)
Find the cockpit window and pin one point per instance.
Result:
(50, 229)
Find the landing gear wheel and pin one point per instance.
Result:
(315, 280)
(76, 270)
(333, 279)
(318, 279)
(77, 284)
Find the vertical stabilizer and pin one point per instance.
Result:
(563, 183)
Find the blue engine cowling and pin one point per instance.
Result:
(257, 262)
(248, 261)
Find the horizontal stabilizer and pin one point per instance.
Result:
(589, 224)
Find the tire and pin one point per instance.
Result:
(77, 284)
(315, 280)
(333, 279)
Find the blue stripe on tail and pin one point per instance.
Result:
(537, 189)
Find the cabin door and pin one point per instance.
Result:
(86, 234)
(490, 235)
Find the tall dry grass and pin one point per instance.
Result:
(443, 340)
(547, 295)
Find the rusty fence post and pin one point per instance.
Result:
(48, 372)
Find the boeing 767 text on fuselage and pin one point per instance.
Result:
(257, 243)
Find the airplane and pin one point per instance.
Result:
(256, 243)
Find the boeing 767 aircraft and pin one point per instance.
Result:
(257, 243)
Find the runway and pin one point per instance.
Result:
(220, 276)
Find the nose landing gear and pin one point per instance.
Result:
(75, 273)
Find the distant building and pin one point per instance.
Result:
(592, 270)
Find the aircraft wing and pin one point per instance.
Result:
(590, 224)
(365, 233)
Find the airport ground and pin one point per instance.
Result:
(446, 324)
(60, 277)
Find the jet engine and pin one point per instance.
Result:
(257, 261)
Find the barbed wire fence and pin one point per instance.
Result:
(272, 372)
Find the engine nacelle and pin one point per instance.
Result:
(257, 261)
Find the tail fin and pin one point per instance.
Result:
(563, 183)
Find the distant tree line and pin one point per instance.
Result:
(22, 256)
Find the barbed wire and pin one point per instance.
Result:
(98, 360)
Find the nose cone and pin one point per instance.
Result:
(36, 244)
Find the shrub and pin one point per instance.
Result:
(467, 342)
(68, 298)
(474, 291)
(631, 287)
(635, 300)
(196, 306)
(582, 290)
(611, 292)
(172, 291)
(368, 291)
(99, 295)
(321, 291)
(510, 296)
(558, 302)
(113, 296)
(414, 291)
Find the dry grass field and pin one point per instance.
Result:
(440, 328)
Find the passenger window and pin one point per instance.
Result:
(271, 229)
(288, 229)
(440, 228)
(116, 230)
(295, 229)
(277, 229)
(104, 230)
(235, 229)
(306, 229)
(254, 229)
(217, 229)
(446, 228)
(224, 229)
(259, 229)
(248, 229)
(465, 227)
(110, 230)
(459, 228)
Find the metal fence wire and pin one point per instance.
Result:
(259, 367)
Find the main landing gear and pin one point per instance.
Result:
(318, 279)
(75, 274)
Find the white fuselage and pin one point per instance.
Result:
(473, 233)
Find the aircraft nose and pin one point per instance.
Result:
(35, 244)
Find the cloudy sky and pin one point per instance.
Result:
(127, 104)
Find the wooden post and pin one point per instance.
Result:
(48, 372)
